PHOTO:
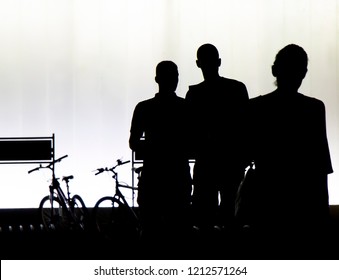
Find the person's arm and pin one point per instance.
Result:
(325, 158)
(244, 92)
(192, 136)
(137, 130)
(245, 135)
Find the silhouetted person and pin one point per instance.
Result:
(289, 146)
(165, 185)
(216, 108)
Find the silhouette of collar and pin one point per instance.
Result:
(165, 94)
(284, 94)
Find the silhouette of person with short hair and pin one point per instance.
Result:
(165, 185)
(289, 146)
(216, 108)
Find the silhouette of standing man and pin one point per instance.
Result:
(216, 106)
(290, 149)
(165, 185)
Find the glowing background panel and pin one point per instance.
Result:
(77, 68)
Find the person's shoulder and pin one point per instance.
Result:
(180, 99)
(261, 100)
(256, 99)
(236, 86)
(232, 82)
(194, 91)
(312, 101)
(145, 103)
(196, 86)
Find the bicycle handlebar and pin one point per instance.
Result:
(100, 170)
(49, 165)
(119, 162)
(122, 162)
(35, 169)
(60, 159)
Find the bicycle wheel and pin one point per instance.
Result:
(80, 212)
(51, 220)
(111, 217)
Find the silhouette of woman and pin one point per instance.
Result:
(288, 143)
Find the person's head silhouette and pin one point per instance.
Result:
(167, 76)
(208, 61)
(290, 68)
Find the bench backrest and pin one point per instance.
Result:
(19, 150)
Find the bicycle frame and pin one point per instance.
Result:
(55, 189)
(71, 211)
(118, 194)
(64, 201)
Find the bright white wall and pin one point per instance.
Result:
(77, 68)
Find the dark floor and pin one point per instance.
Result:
(22, 237)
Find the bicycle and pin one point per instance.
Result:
(59, 211)
(112, 214)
